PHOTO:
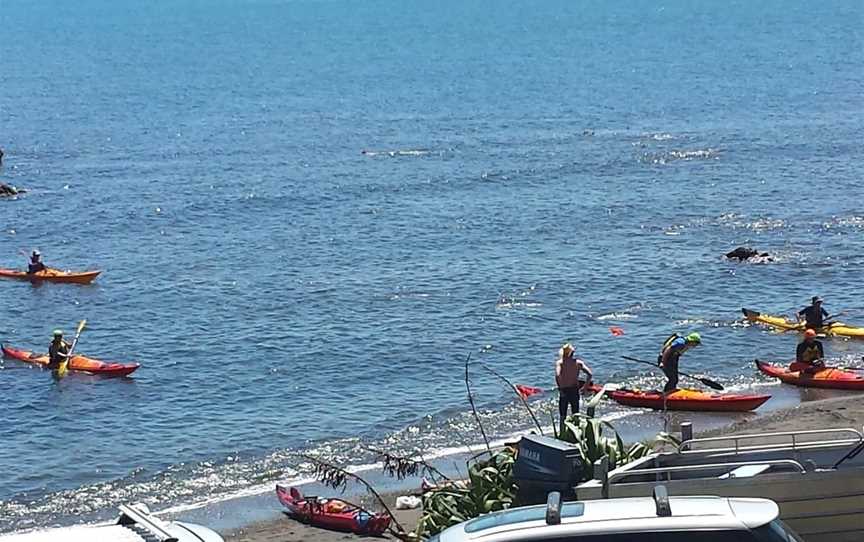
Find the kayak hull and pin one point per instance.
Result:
(51, 275)
(332, 514)
(77, 363)
(688, 400)
(835, 329)
(828, 378)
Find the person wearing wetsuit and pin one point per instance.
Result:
(809, 354)
(671, 352)
(36, 264)
(814, 315)
(58, 351)
(567, 371)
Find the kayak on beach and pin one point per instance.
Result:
(681, 399)
(684, 399)
(827, 377)
(333, 514)
(52, 275)
(77, 363)
(838, 329)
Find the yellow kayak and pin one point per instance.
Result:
(836, 329)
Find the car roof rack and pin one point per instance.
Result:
(661, 501)
(553, 508)
(141, 518)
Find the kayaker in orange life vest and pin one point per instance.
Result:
(58, 351)
(567, 371)
(671, 353)
(36, 264)
(809, 354)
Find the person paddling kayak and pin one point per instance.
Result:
(671, 352)
(814, 314)
(58, 351)
(36, 263)
(809, 354)
(567, 371)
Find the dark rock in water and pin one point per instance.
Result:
(746, 253)
(742, 253)
(9, 190)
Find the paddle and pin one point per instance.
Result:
(830, 320)
(63, 368)
(707, 381)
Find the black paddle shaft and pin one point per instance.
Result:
(707, 381)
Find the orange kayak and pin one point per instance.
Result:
(684, 399)
(51, 275)
(828, 377)
(77, 363)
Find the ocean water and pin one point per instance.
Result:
(534, 173)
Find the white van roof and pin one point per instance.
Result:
(627, 515)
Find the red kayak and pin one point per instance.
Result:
(828, 377)
(693, 400)
(77, 363)
(333, 514)
(682, 399)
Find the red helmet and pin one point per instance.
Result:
(810, 334)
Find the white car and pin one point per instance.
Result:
(135, 524)
(640, 519)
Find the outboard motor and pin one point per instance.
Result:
(543, 465)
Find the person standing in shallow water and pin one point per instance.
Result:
(567, 371)
(670, 355)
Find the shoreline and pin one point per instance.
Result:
(845, 411)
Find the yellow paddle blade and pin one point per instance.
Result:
(62, 369)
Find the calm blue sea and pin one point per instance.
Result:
(534, 172)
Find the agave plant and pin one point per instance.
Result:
(588, 435)
(490, 488)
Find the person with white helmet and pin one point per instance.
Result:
(671, 352)
(36, 263)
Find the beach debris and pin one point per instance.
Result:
(407, 502)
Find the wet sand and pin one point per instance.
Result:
(839, 412)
